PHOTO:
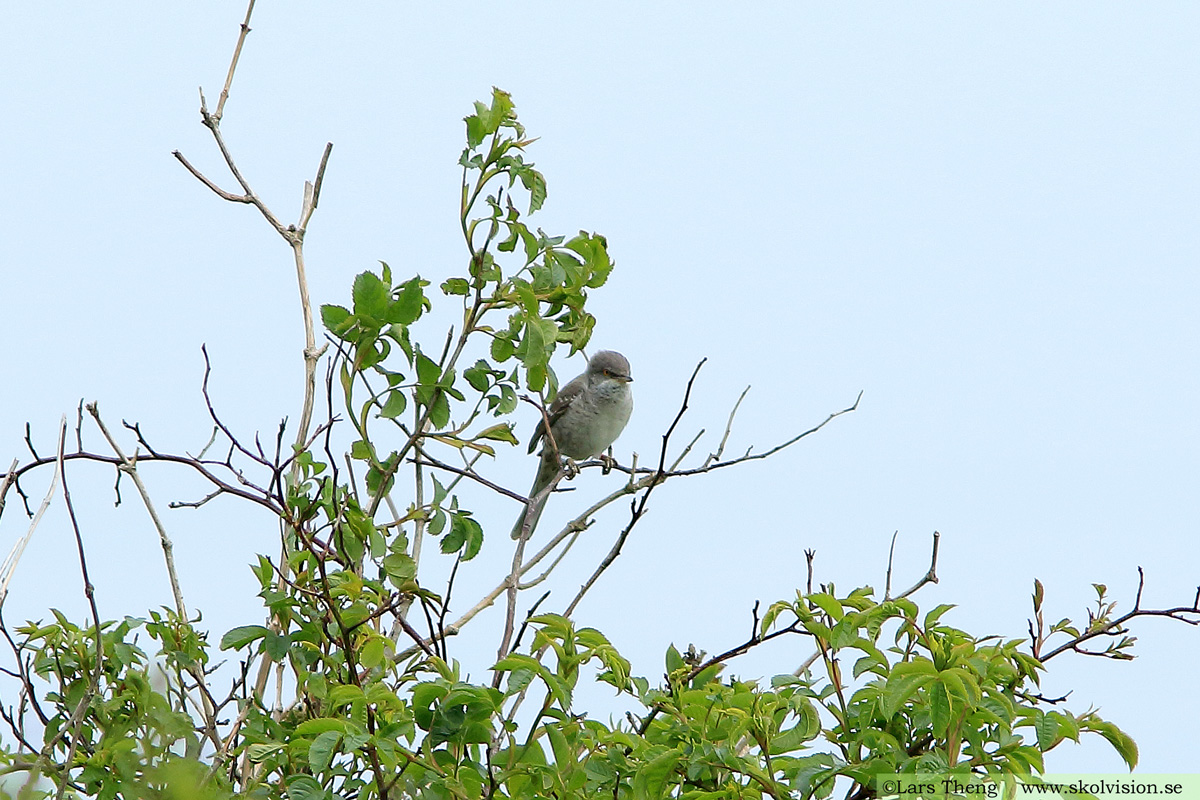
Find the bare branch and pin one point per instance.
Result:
(887, 587)
(728, 427)
(528, 616)
(312, 191)
(129, 467)
(89, 593)
(217, 190)
(931, 575)
(749, 455)
(9, 477)
(638, 509)
(1116, 627)
(426, 460)
(237, 53)
(14, 555)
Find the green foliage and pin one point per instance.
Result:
(380, 710)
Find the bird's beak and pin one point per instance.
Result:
(627, 379)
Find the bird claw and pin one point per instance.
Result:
(607, 461)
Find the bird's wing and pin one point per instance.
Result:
(562, 401)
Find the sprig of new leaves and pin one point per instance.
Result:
(540, 281)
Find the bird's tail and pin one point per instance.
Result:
(547, 470)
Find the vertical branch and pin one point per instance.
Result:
(237, 53)
(90, 594)
(129, 467)
(9, 477)
(294, 236)
(312, 354)
(18, 549)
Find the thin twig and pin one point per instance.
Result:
(1189, 615)
(237, 52)
(887, 588)
(9, 477)
(89, 592)
(931, 575)
(638, 509)
(728, 427)
(426, 460)
(809, 556)
(129, 467)
(528, 616)
(14, 555)
(217, 190)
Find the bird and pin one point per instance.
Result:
(586, 417)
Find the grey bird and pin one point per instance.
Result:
(586, 417)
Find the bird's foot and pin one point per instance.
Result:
(607, 462)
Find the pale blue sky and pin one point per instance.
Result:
(985, 217)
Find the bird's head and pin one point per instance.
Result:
(608, 365)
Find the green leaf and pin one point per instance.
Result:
(1046, 727)
(828, 603)
(370, 297)
(933, 616)
(486, 121)
(437, 522)
(428, 371)
(409, 303)
(674, 660)
(456, 286)
(258, 753)
(320, 752)
(940, 709)
(395, 404)
(372, 652)
(318, 725)
(805, 730)
(465, 535)
(502, 349)
(651, 779)
(334, 318)
(475, 132)
(535, 349)
(499, 433)
(276, 645)
(1121, 742)
(845, 633)
(399, 567)
(439, 413)
(558, 745)
(870, 663)
(304, 787)
(240, 637)
(439, 492)
(478, 375)
(344, 694)
(594, 251)
(538, 342)
(898, 690)
(515, 661)
(508, 400)
(535, 182)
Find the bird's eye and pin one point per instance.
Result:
(608, 373)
